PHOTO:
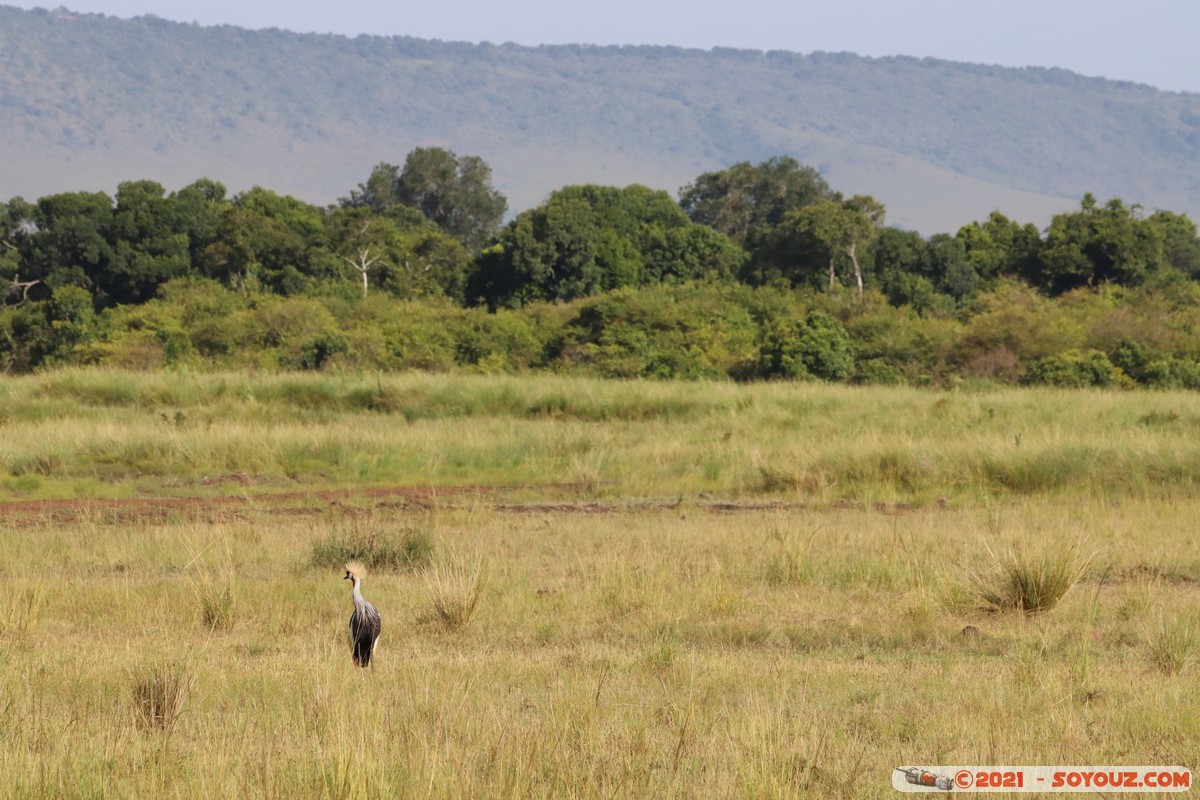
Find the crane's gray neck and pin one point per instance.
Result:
(358, 598)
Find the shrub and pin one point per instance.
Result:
(1075, 369)
(878, 372)
(418, 335)
(1016, 318)
(300, 332)
(691, 331)
(815, 347)
(503, 341)
(1172, 373)
(318, 350)
(143, 337)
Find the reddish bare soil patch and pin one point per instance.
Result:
(158, 508)
(224, 507)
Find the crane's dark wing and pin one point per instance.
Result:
(364, 632)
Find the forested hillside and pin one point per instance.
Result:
(757, 272)
(87, 101)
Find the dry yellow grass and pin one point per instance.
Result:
(699, 590)
(628, 651)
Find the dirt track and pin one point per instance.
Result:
(314, 501)
(281, 502)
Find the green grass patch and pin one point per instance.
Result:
(356, 535)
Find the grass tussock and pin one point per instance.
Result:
(455, 588)
(786, 558)
(217, 600)
(1172, 644)
(378, 545)
(216, 597)
(159, 693)
(1025, 581)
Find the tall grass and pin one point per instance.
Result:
(374, 541)
(620, 650)
(786, 551)
(101, 433)
(159, 693)
(20, 611)
(1172, 643)
(690, 591)
(455, 589)
(1027, 580)
(218, 602)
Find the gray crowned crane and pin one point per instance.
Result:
(364, 622)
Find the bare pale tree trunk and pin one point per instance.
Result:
(363, 265)
(850, 251)
(832, 274)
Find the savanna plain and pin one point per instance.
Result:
(588, 588)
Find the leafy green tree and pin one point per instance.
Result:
(745, 201)
(943, 271)
(359, 237)
(557, 251)
(149, 242)
(1098, 244)
(589, 239)
(69, 326)
(1181, 246)
(270, 242)
(253, 252)
(67, 243)
(305, 219)
(688, 252)
(196, 210)
(453, 192)
(899, 250)
(952, 272)
(428, 263)
(120, 252)
(902, 267)
(824, 233)
(406, 260)
(15, 220)
(378, 193)
(1000, 247)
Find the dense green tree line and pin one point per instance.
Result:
(757, 271)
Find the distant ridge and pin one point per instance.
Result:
(89, 100)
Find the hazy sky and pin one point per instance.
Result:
(1147, 41)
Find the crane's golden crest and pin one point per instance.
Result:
(356, 569)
